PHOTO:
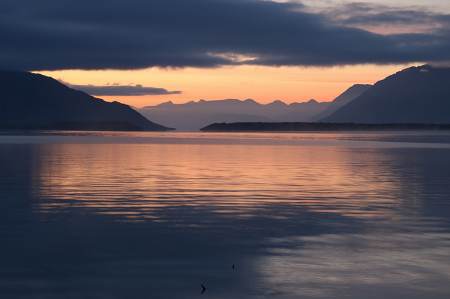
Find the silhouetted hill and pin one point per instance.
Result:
(228, 118)
(344, 98)
(34, 100)
(413, 95)
(192, 116)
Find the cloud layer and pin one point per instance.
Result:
(136, 34)
(120, 90)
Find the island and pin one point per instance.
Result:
(312, 126)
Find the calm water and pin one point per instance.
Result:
(155, 215)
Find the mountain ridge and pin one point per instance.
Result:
(413, 95)
(346, 97)
(34, 99)
(191, 116)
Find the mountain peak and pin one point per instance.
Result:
(34, 99)
(168, 103)
(277, 103)
(414, 95)
(251, 101)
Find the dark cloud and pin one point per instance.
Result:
(132, 34)
(120, 90)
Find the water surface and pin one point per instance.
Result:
(154, 215)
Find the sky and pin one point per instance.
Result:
(146, 52)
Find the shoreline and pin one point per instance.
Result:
(318, 127)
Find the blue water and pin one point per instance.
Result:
(155, 215)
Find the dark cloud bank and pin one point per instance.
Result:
(120, 90)
(53, 35)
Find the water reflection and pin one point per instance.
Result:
(139, 182)
(360, 266)
(136, 216)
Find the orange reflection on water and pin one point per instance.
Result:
(164, 181)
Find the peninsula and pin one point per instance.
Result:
(309, 126)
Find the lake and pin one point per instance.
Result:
(157, 215)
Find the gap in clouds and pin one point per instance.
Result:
(385, 19)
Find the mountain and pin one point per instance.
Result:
(301, 112)
(192, 116)
(28, 99)
(350, 94)
(413, 95)
(277, 104)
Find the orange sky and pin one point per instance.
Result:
(263, 84)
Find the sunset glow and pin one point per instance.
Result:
(263, 84)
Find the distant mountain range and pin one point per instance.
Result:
(30, 101)
(413, 95)
(192, 116)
